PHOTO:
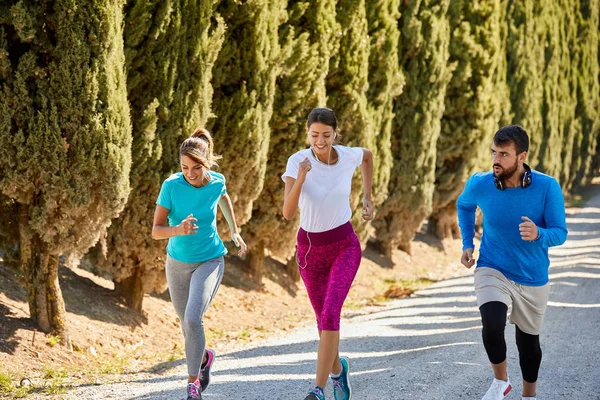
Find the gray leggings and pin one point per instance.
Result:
(192, 287)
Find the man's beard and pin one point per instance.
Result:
(506, 173)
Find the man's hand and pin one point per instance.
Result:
(529, 230)
(467, 258)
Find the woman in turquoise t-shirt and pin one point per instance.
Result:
(186, 214)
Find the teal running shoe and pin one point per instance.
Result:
(341, 384)
(316, 394)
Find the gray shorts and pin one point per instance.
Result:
(528, 302)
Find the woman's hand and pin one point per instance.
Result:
(367, 210)
(303, 168)
(187, 226)
(239, 242)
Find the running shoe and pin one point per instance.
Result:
(341, 384)
(193, 391)
(316, 394)
(204, 377)
(498, 390)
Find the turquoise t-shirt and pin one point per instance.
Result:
(183, 199)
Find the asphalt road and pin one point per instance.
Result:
(425, 347)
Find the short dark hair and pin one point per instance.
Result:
(323, 115)
(512, 134)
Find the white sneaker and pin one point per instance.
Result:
(528, 398)
(498, 390)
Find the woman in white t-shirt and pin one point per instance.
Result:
(318, 181)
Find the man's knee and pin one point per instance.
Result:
(493, 317)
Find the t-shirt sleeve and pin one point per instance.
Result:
(224, 188)
(291, 168)
(357, 155)
(164, 197)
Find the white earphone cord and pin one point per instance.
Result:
(306, 255)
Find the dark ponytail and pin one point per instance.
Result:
(199, 147)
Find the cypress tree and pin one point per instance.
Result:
(170, 49)
(559, 86)
(588, 92)
(424, 55)
(9, 232)
(386, 81)
(476, 101)
(347, 87)
(244, 91)
(306, 47)
(65, 135)
(525, 75)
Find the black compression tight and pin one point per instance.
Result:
(530, 355)
(493, 318)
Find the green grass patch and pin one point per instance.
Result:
(117, 364)
(10, 389)
(53, 340)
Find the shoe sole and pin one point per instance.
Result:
(348, 375)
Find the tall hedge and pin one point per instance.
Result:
(525, 56)
(9, 232)
(588, 93)
(347, 87)
(244, 91)
(306, 45)
(424, 56)
(170, 49)
(476, 101)
(559, 83)
(386, 82)
(65, 135)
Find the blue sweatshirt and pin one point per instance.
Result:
(502, 248)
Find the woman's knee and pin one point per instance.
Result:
(329, 320)
(191, 326)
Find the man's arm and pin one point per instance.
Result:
(555, 232)
(466, 206)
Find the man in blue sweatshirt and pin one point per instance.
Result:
(523, 215)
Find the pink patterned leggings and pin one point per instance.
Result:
(328, 264)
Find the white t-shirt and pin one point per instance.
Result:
(325, 198)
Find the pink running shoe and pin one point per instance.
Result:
(204, 377)
(193, 391)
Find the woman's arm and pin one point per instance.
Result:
(293, 187)
(162, 230)
(367, 176)
(227, 209)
